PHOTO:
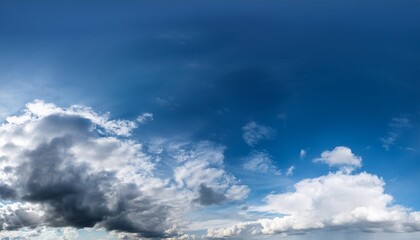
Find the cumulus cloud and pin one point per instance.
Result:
(261, 162)
(254, 133)
(41, 233)
(341, 157)
(72, 167)
(70, 164)
(333, 201)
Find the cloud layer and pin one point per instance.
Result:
(63, 169)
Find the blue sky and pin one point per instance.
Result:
(255, 92)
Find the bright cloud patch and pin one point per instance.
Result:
(302, 153)
(254, 133)
(71, 167)
(336, 200)
(341, 157)
(200, 169)
(290, 170)
(41, 233)
(144, 118)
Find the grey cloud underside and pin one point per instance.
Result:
(75, 168)
(6, 192)
(71, 195)
(208, 196)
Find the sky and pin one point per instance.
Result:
(210, 119)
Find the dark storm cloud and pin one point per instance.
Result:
(6, 192)
(152, 218)
(75, 168)
(71, 194)
(208, 196)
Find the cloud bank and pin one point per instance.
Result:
(72, 167)
(63, 169)
(339, 200)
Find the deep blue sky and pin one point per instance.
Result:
(319, 73)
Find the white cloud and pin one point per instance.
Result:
(341, 157)
(334, 201)
(302, 153)
(144, 118)
(254, 133)
(41, 233)
(290, 171)
(39, 109)
(200, 166)
(240, 230)
(74, 167)
(260, 161)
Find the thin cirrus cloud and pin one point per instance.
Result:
(339, 200)
(144, 118)
(260, 162)
(74, 168)
(254, 132)
(302, 153)
(396, 128)
(290, 170)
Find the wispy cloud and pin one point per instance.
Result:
(254, 132)
(260, 162)
(397, 126)
(167, 102)
(290, 171)
(144, 118)
(175, 36)
(302, 153)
